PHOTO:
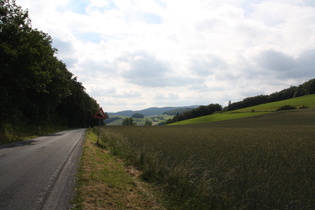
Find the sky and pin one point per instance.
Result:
(136, 54)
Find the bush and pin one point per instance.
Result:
(286, 107)
(303, 107)
(128, 121)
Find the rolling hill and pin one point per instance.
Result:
(298, 102)
(150, 111)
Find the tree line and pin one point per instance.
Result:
(36, 87)
(197, 112)
(294, 91)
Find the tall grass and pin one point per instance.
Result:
(248, 165)
(10, 133)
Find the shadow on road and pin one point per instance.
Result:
(54, 134)
(18, 144)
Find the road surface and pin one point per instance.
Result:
(40, 173)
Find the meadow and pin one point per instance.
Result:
(263, 162)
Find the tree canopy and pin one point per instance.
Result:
(138, 115)
(197, 112)
(36, 87)
(128, 121)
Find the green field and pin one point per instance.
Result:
(253, 111)
(262, 162)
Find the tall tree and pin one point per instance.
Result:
(35, 87)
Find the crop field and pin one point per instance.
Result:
(263, 162)
(117, 119)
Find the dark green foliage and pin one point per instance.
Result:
(286, 107)
(147, 122)
(303, 107)
(128, 121)
(197, 112)
(35, 87)
(138, 115)
(178, 111)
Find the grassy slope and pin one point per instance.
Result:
(308, 101)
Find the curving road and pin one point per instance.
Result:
(40, 173)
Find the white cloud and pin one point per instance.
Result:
(137, 54)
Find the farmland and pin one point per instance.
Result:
(262, 162)
(219, 117)
(117, 119)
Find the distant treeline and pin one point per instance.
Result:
(36, 87)
(304, 89)
(198, 112)
(177, 111)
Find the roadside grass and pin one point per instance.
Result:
(10, 133)
(104, 182)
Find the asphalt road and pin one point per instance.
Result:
(40, 173)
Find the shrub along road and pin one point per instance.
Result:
(40, 173)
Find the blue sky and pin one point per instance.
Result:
(138, 54)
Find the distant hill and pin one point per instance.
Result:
(178, 111)
(150, 111)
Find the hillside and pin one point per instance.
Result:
(150, 111)
(308, 100)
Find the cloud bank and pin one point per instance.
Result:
(137, 54)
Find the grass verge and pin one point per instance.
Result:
(10, 133)
(105, 183)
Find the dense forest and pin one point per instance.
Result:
(35, 87)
